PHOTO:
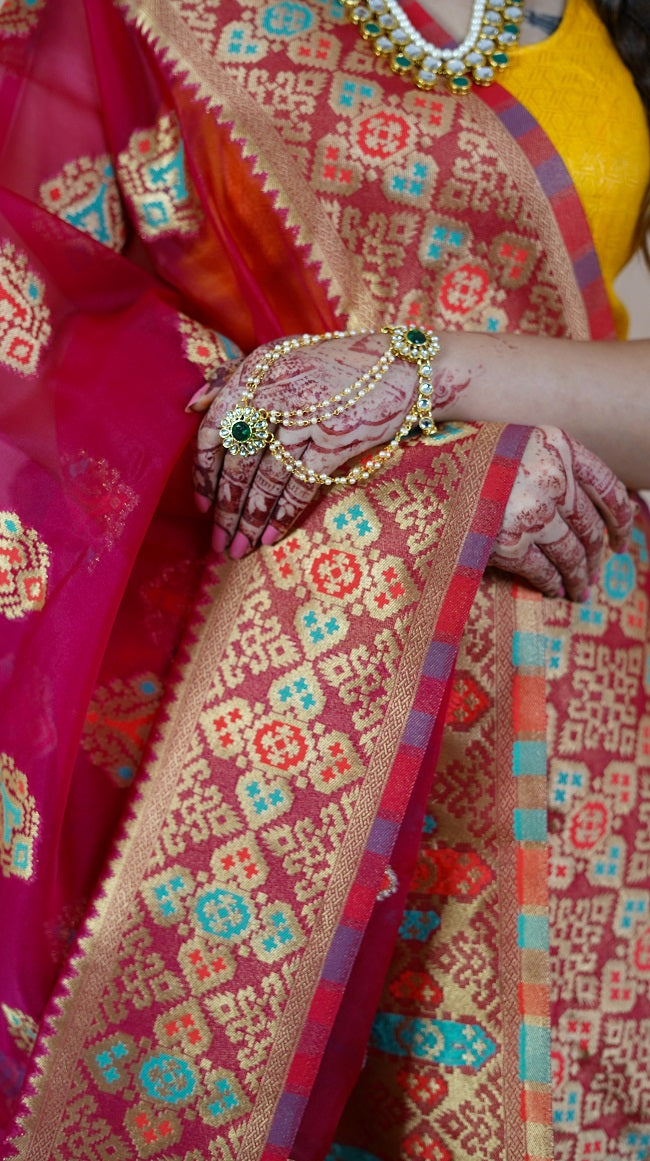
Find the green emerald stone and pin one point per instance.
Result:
(240, 431)
(416, 337)
(371, 28)
(499, 59)
(514, 28)
(403, 61)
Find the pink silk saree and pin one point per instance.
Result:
(322, 809)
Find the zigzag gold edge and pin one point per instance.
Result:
(144, 17)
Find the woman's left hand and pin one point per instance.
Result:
(564, 502)
(254, 498)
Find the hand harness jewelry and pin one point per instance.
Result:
(245, 430)
(493, 31)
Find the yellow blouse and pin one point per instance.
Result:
(579, 91)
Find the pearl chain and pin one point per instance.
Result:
(245, 429)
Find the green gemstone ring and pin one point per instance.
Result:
(244, 431)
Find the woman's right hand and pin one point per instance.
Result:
(563, 505)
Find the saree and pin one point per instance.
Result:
(333, 865)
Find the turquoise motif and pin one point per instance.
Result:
(105, 1061)
(354, 92)
(282, 933)
(620, 576)
(224, 914)
(566, 781)
(318, 629)
(448, 1042)
(93, 218)
(287, 19)
(225, 1099)
(168, 1078)
(411, 185)
(297, 691)
(263, 801)
(638, 537)
(356, 517)
(166, 895)
(418, 925)
(444, 240)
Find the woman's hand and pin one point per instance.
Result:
(563, 502)
(254, 499)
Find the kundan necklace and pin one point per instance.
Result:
(493, 30)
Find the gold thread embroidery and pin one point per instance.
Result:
(24, 317)
(20, 821)
(24, 563)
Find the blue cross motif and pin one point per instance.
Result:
(493, 325)
(105, 1060)
(310, 620)
(165, 892)
(352, 90)
(225, 1099)
(589, 615)
(444, 238)
(282, 933)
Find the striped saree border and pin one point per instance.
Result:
(419, 727)
(529, 823)
(558, 186)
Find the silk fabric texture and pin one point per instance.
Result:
(206, 179)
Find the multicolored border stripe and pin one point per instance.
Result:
(436, 673)
(558, 186)
(531, 834)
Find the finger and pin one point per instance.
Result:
(607, 492)
(534, 567)
(237, 473)
(294, 502)
(208, 391)
(589, 526)
(206, 467)
(567, 553)
(267, 488)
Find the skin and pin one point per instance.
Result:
(565, 500)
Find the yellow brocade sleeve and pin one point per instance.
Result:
(581, 94)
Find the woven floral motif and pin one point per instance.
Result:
(22, 1028)
(24, 316)
(118, 722)
(155, 182)
(206, 348)
(24, 566)
(599, 691)
(226, 908)
(20, 821)
(19, 17)
(85, 194)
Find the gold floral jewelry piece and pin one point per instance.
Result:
(245, 430)
(493, 31)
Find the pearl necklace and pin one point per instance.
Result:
(494, 28)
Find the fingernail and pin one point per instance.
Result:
(198, 398)
(240, 546)
(202, 502)
(270, 534)
(219, 538)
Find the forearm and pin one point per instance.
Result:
(597, 391)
